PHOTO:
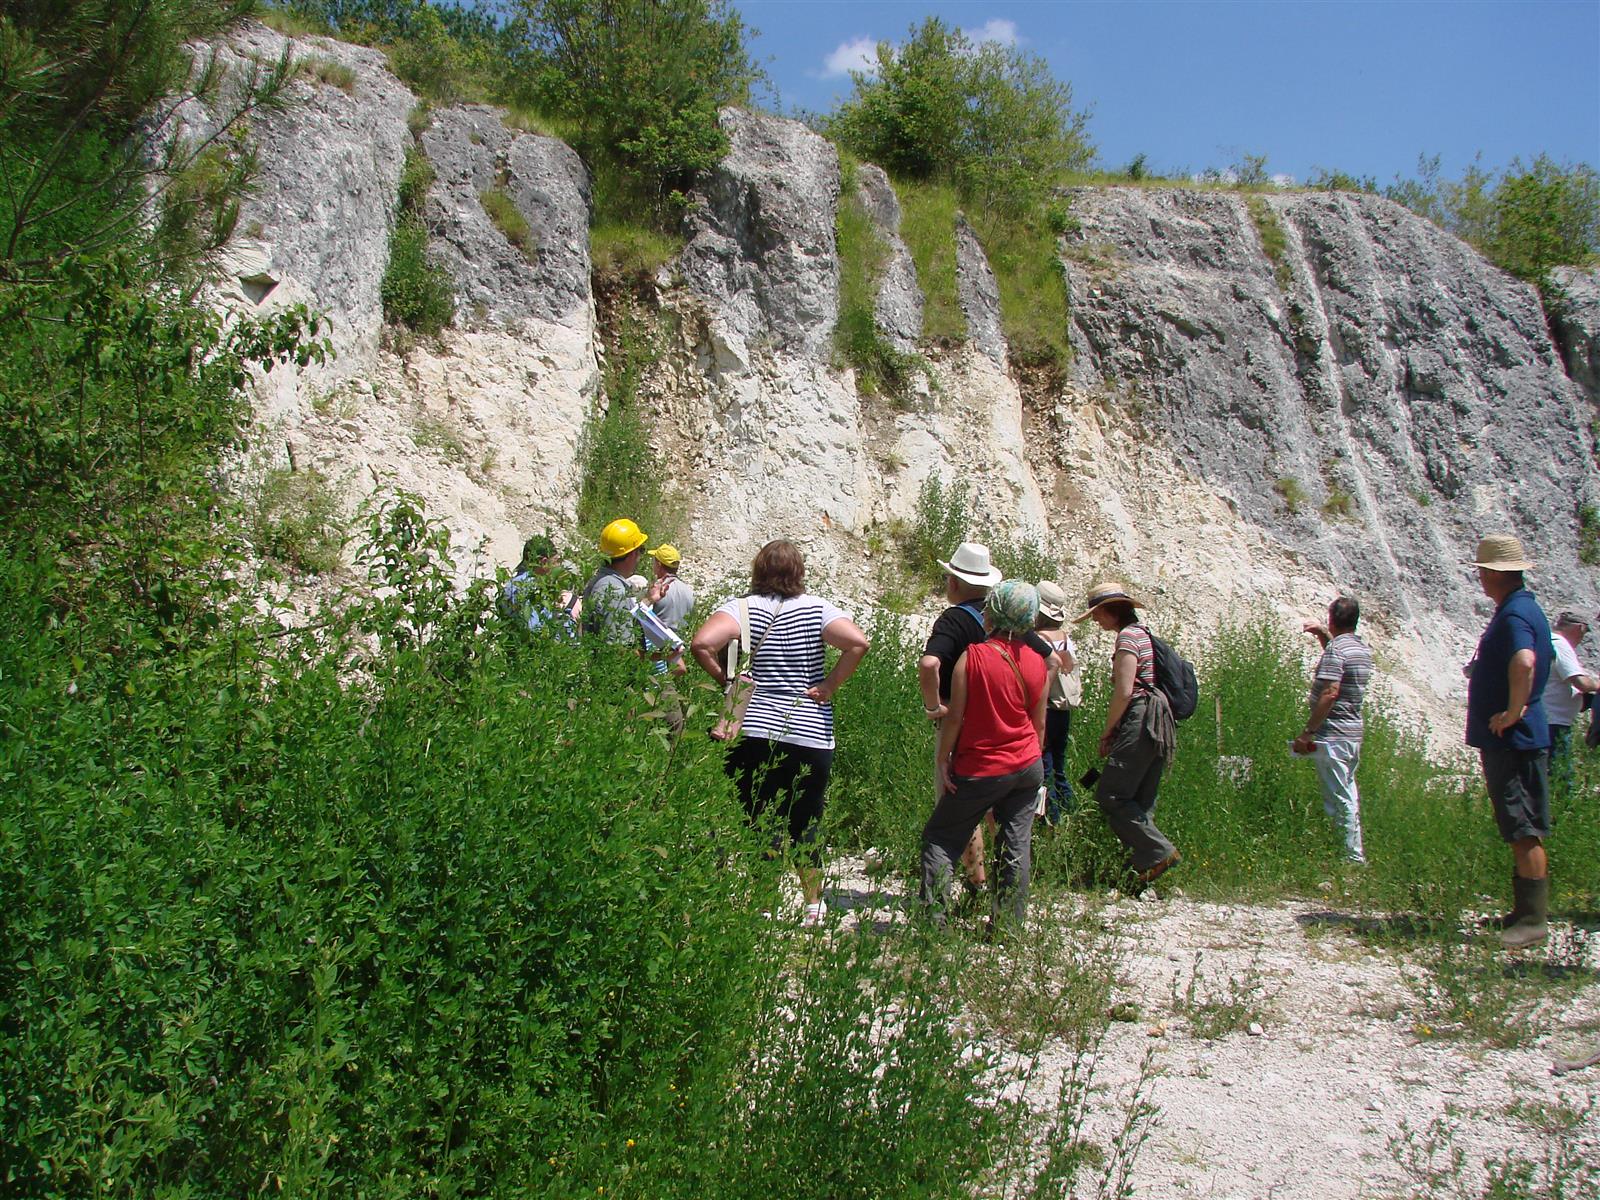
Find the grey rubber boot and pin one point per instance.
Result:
(1533, 901)
(1506, 920)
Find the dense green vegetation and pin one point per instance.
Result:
(405, 902)
(989, 128)
(1527, 218)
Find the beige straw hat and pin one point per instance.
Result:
(1502, 552)
(1052, 601)
(1104, 592)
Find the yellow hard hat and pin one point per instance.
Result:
(621, 536)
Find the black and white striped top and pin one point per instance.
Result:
(787, 662)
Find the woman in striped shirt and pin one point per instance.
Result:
(785, 753)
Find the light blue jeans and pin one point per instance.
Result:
(1336, 760)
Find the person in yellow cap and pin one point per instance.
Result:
(670, 596)
(605, 597)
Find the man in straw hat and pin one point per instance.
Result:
(1139, 735)
(968, 577)
(1506, 722)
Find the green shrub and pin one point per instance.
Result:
(508, 219)
(988, 119)
(416, 292)
(416, 177)
(1525, 219)
(1292, 491)
(619, 472)
(295, 519)
(315, 928)
(641, 82)
(1337, 504)
(1274, 242)
(1589, 534)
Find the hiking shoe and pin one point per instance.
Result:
(1151, 874)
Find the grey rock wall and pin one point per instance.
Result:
(898, 306)
(1575, 320)
(979, 295)
(1371, 393)
(761, 246)
(315, 226)
(472, 153)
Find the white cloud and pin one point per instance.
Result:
(858, 54)
(998, 30)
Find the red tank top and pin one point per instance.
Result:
(997, 734)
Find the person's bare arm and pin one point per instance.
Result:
(1519, 678)
(709, 642)
(1317, 630)
(1038, 713)
(1124, 667)
(846, 637)
(1307, 741)
(928, 682)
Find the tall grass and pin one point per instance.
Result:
(1246, 815)
(1021, 249)
(928, 227)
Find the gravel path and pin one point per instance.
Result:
(1337, 1058)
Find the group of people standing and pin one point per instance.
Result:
(999, 679)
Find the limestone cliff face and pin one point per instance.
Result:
(1371, 393)
(1272, 398)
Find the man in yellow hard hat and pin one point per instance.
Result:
(605, 597)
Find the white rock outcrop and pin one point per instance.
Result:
(1272, 398)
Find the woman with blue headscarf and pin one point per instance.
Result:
(989, 754)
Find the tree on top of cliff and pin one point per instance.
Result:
(1526, 220)
(989, 118)
(642, 81)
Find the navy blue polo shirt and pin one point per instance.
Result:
(1518, 624)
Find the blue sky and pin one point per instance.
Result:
(1358, 85)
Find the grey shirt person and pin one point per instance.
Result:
(1347, 662)
(674, 606)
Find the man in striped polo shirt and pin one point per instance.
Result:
(1333, 732)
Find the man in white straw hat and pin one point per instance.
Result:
(968, 577)
(1506, 722)
(1139, 736)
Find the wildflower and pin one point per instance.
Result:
(630, 1143)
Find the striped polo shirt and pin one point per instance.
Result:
(1135, 640)
(788, 660)
(1347, 662)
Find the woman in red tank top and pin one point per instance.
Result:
(989, 755)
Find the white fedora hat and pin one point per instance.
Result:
(970, 562)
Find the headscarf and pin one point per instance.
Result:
(1012, 606)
